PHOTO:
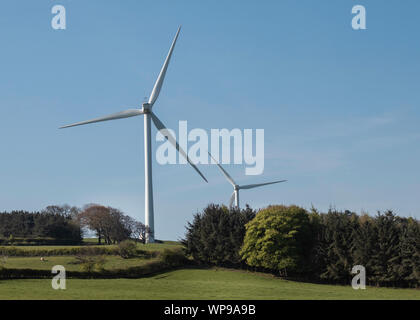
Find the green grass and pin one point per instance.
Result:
(195, 284)
(69, 262)
(181, 284)
(148, 247)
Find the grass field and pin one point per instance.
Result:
(195, 284)
(148, 247)
(70, 263)
(182, 284)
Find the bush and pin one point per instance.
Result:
(173, 258)
(90, 260)
(3, 260)
(216, 235)
(127, 249)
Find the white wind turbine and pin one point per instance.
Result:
(236, 187)
(149, 115)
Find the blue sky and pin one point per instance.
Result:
(340, 108)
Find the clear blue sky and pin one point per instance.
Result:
(340, 108)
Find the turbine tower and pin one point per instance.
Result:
(236, 187)
(149, 116)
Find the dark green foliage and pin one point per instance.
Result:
(365, 243)
(215, 236)
(54, 225)
(409, 250)
(386, 256)
(322, 247)
(386, 245)
(334, 247)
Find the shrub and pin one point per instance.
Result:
(173, 258)
(216, 235)
(127, 249)
(90, 260)
(3, 260)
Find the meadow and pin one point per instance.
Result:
(201, 284)
(180, 284)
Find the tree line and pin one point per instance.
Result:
(53, 222)
(67, 224)
(309, 245)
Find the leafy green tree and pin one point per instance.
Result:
(276, 239)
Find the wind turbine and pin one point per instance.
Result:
(236, 187)
(149, 116)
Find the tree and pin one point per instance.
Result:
(93, 217)
(365, 243)
(119, 226)
(215, 236)
(108, 223)
(64, 210)
(386, 256)
(138, 230)
(275, 239)
(336, 245)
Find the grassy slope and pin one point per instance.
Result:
(195, 284)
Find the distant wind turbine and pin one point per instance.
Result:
(236, 187)
(148, 115)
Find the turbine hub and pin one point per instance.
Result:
(146, 107)
(236, 188)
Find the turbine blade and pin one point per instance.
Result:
(160, 126)
(159, 82)
(250, 186)
(232, 199)
(227, 176)
(118, 115)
